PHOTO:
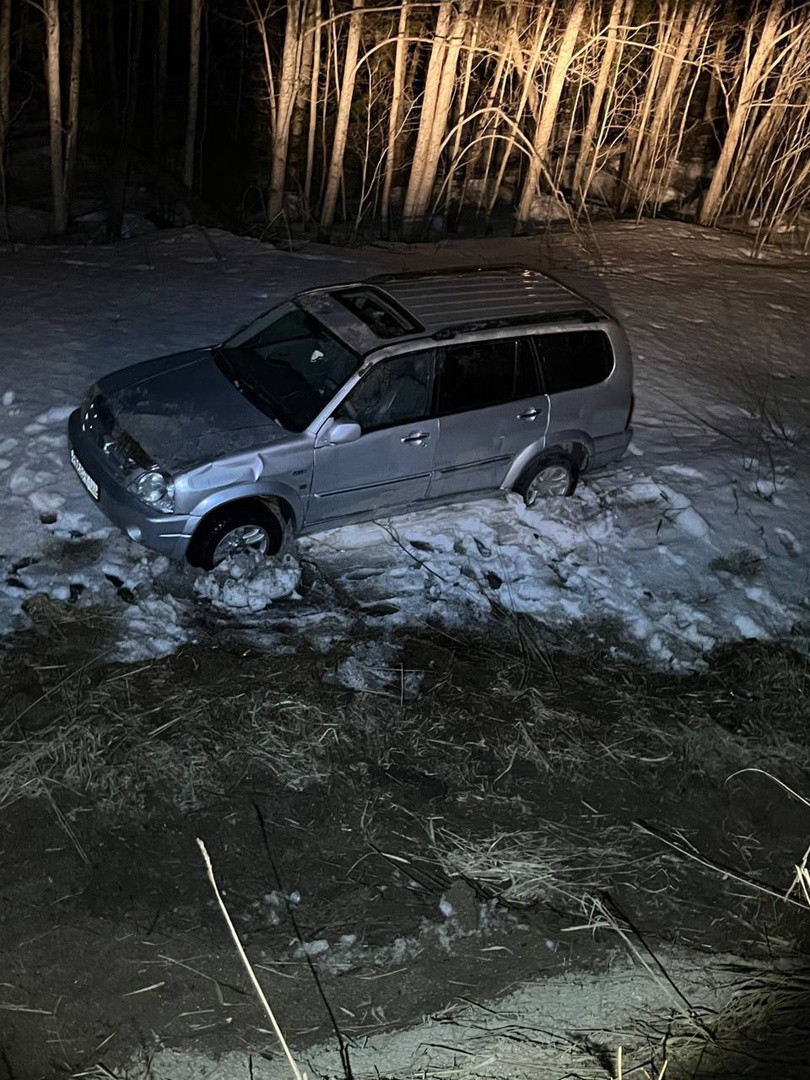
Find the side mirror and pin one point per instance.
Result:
(344, 431)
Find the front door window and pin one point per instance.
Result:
(394, 392)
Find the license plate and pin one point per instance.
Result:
(84, 475)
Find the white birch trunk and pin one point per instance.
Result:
(427, 112)
(52, 40)
(586, 146)
(665, 106)
(462, 107)
(397, 94)
(285, 105)
(528, 88)
(548, 113)
(637, 138)
(335, 172)
(713, 200)
(420, 185)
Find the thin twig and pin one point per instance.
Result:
(243, 957)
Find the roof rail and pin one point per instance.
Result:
(573, 315)
(452, 271)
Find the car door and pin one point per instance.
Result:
(490, 408)
(390, 464)
(574, 365)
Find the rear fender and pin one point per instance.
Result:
(564, 441)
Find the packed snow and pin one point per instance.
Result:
(696, 538)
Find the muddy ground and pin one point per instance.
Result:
(497, 814)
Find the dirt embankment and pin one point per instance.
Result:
(495, 821)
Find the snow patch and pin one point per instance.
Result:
(249, 582)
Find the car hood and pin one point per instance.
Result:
(181, 411)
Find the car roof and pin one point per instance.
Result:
(441, 304)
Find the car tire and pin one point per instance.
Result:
(251, 527)
(555, 474)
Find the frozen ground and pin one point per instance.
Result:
(696, 538)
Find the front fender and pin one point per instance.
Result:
(260, 489)
(559, 440)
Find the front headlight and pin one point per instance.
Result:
(155, 489)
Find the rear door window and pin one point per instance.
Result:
(574, 359)
(479, 374)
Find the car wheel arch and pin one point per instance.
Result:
(576, 444)
(281, 496)
(236, 507)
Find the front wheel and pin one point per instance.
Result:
(550, 476)
(253, 528)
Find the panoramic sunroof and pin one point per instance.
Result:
(379, 312)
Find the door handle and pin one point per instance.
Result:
(530, 414)
(418, 437)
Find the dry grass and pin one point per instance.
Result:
(526, 867)
(761, 1032)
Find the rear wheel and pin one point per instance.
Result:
(252, 527)
(551, 476)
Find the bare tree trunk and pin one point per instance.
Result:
(297, 151)
(427, 111)
(74, 86)
(52, 40)
(285, 103)
(527, 90)
(114, 104)
(664, 108)
(5, 74)
(314, 85)
(394, 116)
(193, 92)
(161, 80)
(5, 106)
(462, 111)
(713, 200)
(638, 138)
(120, 169)
(548, 113)
(439, 86)
(758, 143)
(335, 173)
(586, 146)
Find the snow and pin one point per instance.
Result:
(694, 539)
(249, 582)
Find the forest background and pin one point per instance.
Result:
(401, 119)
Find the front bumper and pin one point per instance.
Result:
(167, 533)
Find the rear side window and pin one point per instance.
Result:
(483, 373)
(574, 359)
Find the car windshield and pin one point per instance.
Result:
(287, 364)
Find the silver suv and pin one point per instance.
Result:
(356, 401)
